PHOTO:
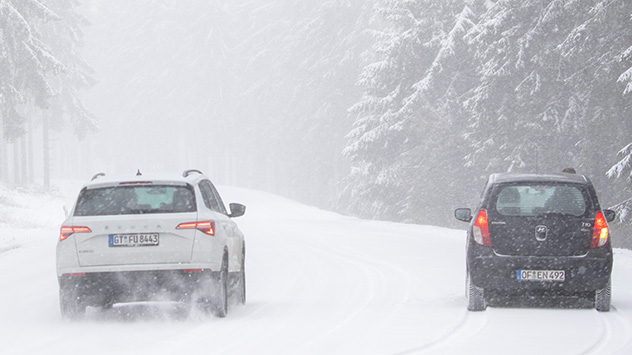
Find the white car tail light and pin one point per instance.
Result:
(67, 231)
(206, 227)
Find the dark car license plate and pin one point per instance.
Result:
(541, 275)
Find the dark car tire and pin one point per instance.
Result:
(70, 303)
(475, 297)
(603, 298)
(220, 299)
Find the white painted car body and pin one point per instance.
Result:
(165, 241)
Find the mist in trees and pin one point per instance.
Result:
(42, 74)
(386, 109)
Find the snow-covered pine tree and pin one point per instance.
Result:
(521, 114)
(65, 39)
(593, 61)
(403, 138)
(25, 61)
(623, 168)
(548, 96)
(435, 162)
(300, 80)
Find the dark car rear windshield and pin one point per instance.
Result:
(537, 199)
(122, 200)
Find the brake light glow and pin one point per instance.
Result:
(193, 270)
(600, 232)
(67, 231)
(481, 229)
(206, 227)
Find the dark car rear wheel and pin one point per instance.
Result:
(475, 297)
(603, 298)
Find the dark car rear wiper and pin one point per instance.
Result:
(561, 214)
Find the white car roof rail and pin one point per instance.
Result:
(96, 176)
(191, 171)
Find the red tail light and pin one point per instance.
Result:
(192, 270)
(67, 231)
(481, 229)
(600, 232)
(207, 227)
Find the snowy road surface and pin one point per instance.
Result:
(318, 283)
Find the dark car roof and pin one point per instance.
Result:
(563, 177)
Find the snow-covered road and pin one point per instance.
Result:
(318, 283)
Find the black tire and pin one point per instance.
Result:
(241, 287)
(220, 299)
(475, 297)
(603, 298)
(70, 303)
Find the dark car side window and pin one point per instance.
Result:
(211, 198)
(537, 199)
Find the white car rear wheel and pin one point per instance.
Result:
(220, 301)
(70, 303)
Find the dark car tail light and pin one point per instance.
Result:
(67, 231)
(481, 229)
(600, 232)
(207, 227)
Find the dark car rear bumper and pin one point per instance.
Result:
(582, 273)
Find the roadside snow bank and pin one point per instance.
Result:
(27, 208)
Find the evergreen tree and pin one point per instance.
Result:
(300, 76)
(520, 117)
(623, 168)
(26, 61)
(407, 124)
(548, 92)
(65, 39)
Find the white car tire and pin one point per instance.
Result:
(220, 299)
(70, 303)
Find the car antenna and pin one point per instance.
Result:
(138, 173)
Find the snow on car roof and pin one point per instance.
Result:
(562, 177)
(102, 180)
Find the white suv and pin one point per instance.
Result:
(148, 238)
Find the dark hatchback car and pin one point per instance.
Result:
(538, 235)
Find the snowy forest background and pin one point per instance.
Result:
(385, 109)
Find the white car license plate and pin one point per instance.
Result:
(541, 275)
(133, 240)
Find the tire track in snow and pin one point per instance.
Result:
(470, 325)
(615, 333)
(373, 281)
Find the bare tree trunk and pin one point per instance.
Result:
(23, 161)
(16, 162)
(4, 166)
(30, 172)
(46, 146)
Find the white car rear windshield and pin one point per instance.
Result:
(124, 200)
(534, 200)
